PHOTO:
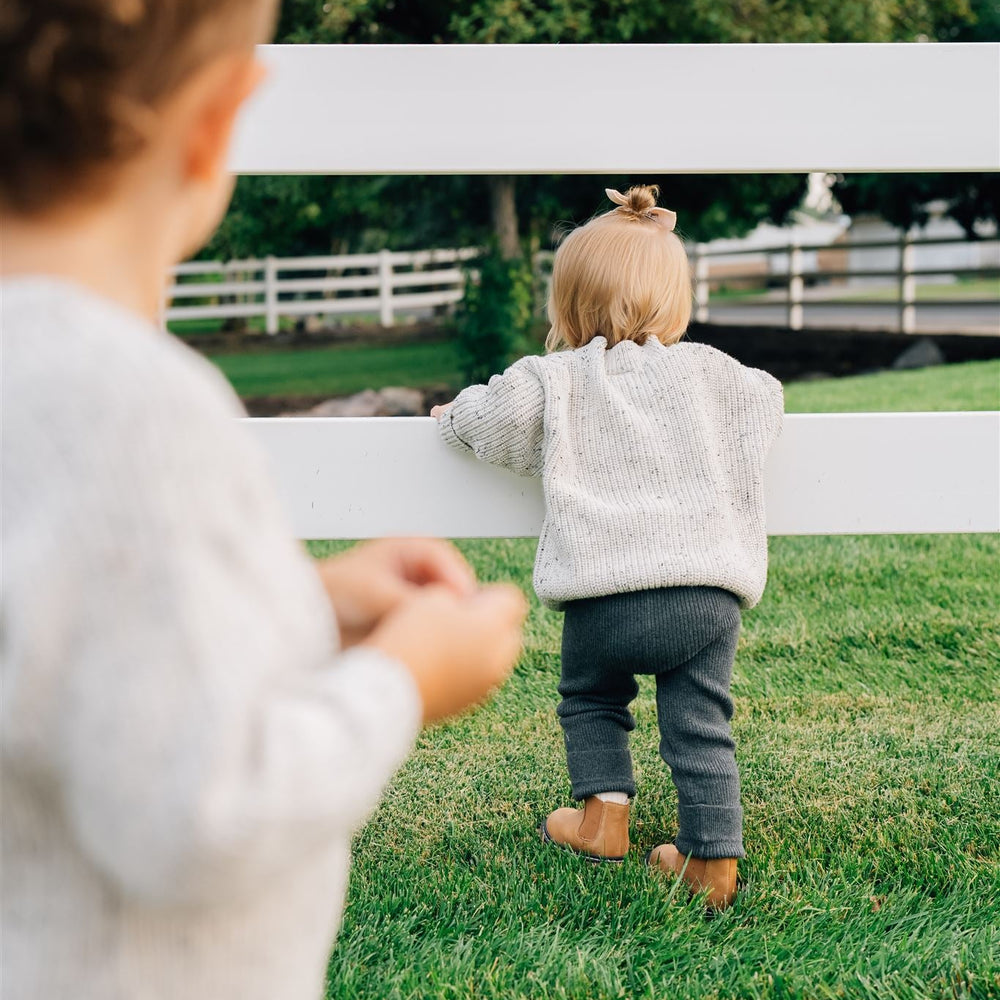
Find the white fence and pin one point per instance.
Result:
(389, 283)
(607, 109)
(610, 109)
(381, 284)
(828, 474)
(793, 272)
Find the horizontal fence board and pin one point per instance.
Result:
(878, 473)
(326, 263)
(828, 474)
(415, 109)
(706, 250)
(353, 282)
(209, 289)
(234, 309)
(213, 266)
(420, 257)
(421, 300)
(409, 279)
(327, 307)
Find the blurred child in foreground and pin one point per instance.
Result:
(196, 717)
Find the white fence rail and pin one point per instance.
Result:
(389, 283)
(500, 109)
(863, 473)
(905, 276)
(668, 109)
(383, 284)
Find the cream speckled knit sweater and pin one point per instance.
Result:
(185, 753)
(651, 460)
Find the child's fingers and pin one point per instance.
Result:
(503, 600)
(429, 561)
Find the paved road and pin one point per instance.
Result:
(867, 316)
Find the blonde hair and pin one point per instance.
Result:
(622, 276)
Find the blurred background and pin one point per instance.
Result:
(382, 295)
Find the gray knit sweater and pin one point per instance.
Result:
(184, 751)
(651, 460)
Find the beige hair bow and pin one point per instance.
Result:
(661, 216)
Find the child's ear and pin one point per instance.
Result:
(215, 102)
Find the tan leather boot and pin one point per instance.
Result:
(598, 831)
(717, 875)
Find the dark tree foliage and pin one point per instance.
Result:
(288, 216)
(902, 199)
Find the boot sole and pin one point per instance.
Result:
(594, 859)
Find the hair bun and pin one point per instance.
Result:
(639, 202)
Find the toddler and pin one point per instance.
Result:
(196, 717)
(651, 453)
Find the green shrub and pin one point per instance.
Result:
(492, 320)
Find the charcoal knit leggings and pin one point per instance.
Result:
(686, 637)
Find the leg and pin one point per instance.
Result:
(694, 709)
(594, 709)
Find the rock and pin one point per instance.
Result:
(400, 402)
(921, 354)
(361, 404)
(389, 402)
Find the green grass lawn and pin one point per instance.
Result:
(191, 329)
(974, 385)
(867, 691)
(339, 370)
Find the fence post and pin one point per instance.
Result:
(271, 295)
(701, 289)
(385, 287)
(795, 287)
(907, 286)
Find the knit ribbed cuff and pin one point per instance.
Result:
(605, 770)
(446, 425)
(710, 831)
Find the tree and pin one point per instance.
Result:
(903, 199)
(301, 215)
(318, 215)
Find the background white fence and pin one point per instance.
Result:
(388, 283)
(381, 284)
(789, 264)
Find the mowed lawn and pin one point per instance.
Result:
(339, 370)
(974, 385)
(867, 690)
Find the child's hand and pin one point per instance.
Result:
(436, 411)
(373, 579)
(457, 648)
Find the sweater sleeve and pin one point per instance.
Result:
(502, 422)
(773, 395)
(206, 731)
